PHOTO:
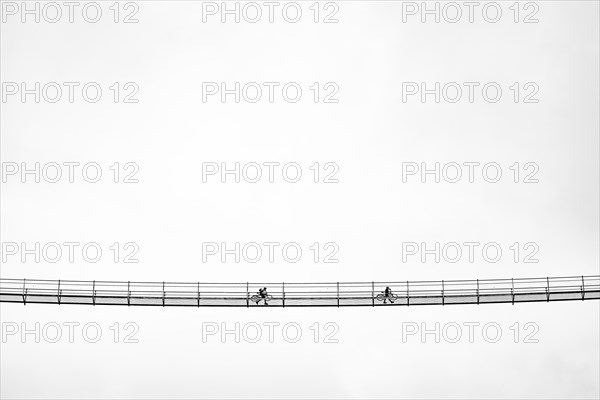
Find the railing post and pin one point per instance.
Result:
(477, 291)
(58, 292)
(164, 294)
(373, 293)
(338, 294)
(24, 293)
(283, 293)
(582, 288)
(407, 294)
(128, 293)
(94, 292)
(547, 289)
(443, 302)
(512, 290)
(247, 294)
(198, 294)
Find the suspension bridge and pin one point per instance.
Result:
(281, 294)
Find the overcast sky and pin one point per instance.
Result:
(368, 62)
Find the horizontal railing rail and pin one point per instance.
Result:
(300, 294)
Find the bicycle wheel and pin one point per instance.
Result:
(255, 298)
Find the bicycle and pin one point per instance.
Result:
(383, 297)
(257, 298)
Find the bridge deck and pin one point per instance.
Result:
(333, 294)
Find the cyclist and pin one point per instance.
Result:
(387, 295)
(263, 295)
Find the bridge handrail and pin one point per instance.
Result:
(341, 290)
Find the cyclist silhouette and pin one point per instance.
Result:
(263, 295)
(387, 295)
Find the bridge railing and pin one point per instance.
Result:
(318, 293)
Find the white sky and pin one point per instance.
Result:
(368, 214)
